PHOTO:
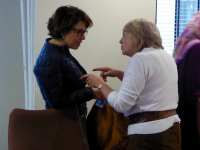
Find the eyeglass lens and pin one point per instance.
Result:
(81, 32)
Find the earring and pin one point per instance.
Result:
(63, 37)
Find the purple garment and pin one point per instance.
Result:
(189, 92)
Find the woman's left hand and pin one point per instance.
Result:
(93, 80)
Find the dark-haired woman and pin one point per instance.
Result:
(56, 70)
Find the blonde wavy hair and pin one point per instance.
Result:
(145, 33)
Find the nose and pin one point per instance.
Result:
(83, 37)
(120, 41)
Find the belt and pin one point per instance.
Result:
(150, 116)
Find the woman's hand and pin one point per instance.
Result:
(109, 72)
(92, 80)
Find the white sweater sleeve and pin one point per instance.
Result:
(132, 85)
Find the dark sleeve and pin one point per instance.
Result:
(192, 76)
(50, 80)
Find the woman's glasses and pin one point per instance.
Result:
(80, 32)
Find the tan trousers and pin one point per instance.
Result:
(166, 140)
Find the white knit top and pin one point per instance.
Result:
(149, 84)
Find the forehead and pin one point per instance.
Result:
(80, 25)
(128, 33)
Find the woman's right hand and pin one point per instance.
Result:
(110, 72)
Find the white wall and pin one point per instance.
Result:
(11, 65)
(101, 47)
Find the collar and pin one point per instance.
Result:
(62, 49)
(149, 49)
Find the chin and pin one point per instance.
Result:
(75, 48)
(123, 53)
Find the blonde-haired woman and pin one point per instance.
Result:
(148, 94)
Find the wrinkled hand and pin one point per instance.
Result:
(92, 80)
(106, 71)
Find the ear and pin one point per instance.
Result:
(63, 35)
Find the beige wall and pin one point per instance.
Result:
(101, 47)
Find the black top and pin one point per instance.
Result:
(58, 76)
(189, 93)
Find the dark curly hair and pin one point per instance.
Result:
(64, 18)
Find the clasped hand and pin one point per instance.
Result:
(94, 80)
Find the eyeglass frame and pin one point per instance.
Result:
(80, 32)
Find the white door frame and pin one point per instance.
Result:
(28, 43)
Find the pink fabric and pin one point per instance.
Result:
(189, 37)
(185, 50)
